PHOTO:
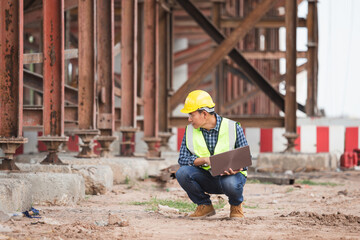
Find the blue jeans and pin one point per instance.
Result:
(198, 182)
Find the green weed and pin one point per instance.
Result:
(182, 206)
(312, 183)
(251, 207)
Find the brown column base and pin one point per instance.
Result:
(105, 142)
(165, 140)
(291, 137)
(52, 143)
(154, 152)
(127, 144)
(87, 147)
(9, 146)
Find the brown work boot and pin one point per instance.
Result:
(203, 211)
(236, 211)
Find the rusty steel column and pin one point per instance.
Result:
(129, 16)
(165, 59)
(290, 97)
(219, 72)
(11, 80)
(311, 57)
(86, 91)
(53, 83)
(105, 74)
(151, 79)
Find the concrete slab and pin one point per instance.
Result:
(15, 195)
(123, 168)
(51, 188)
(296, 162)
(98, 178)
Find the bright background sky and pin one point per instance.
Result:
(339, 50)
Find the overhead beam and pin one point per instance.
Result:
(264, 23)
(35, 14)
(271, 54)
(30, 58)
(194, 57)
(34, 81)
(251, 121)
(226, 45)
(192, 50)
(236, 56)
(248, 95)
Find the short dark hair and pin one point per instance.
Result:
(211, 113)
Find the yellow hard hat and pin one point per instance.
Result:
(197, 99)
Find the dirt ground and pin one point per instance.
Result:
(328, 207)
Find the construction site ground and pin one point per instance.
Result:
(320, 205)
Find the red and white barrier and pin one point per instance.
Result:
(312, 139)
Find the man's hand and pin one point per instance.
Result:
(230, 172)
(201, 161)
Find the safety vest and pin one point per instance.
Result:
(196, 144)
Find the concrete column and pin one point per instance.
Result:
(11, 80)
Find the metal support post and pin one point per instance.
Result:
(86, 93)
(105, 74)
(151, 79)
(312, 45)
(165, 60)
(11, 80)
(219, 72)
(53, 84)
(290, 97)
(129, 30)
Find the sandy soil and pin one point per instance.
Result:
(297, 211)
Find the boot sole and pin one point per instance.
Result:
(206, 215)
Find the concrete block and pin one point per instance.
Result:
(296, 162)
(26, 167)
(52, 188)
(123, 168)
(98, 178)
(15, 195)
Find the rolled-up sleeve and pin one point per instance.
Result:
(186, 157)
(240, 137)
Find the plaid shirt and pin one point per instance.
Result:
(210, 136)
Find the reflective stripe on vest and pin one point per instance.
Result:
(196, 144)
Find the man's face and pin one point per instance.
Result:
(197, 119)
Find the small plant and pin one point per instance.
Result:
(312, 183)
(182, 206)
(251, 207)
(290, 189)
(252, 181)
(127, 180)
